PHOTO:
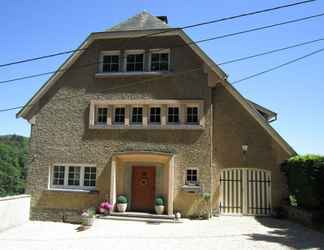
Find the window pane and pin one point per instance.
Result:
(135, 62)
(155, 115)
(102, 115)
(74, 176)
(159, 61)
(89, 177)
(119, 115)
(173, 114)
(192, 115)
(110, 63)
(137, 115)
(192, 177)
(58, 175)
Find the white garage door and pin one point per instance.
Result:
(245, 191)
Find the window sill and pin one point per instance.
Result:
(150, 126)
(72, 190)
(141, 73)
(192, 188)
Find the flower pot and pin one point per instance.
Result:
(159, 209)
(87, 221)
(121, 207)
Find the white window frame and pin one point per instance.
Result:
(65, 186)
(179, 114)
(149, 115)
(159, 51)
(109, 53)
(198, 114)
(185, 177)
(133, 52)
(131, 115)
(114, 113)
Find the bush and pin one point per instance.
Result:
(304, 176)
(159, 201)
(122, 199)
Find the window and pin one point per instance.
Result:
(173, 114)
(192, 114)
(137, 115)
(192, 176)
(155, 115)
(74, 176)
(134, 61)
(159, 60)
(90, 176)
(110, 62)
(58, 175)
(119, 115)
(102, 115)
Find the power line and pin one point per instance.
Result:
(270, 51)
(183, 45)
(165, 31)
(278, 67)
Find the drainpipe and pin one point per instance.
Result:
(211, 149)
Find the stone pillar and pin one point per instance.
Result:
(171, 185)
(112, 198)
(145, 115)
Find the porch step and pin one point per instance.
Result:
(144, 217)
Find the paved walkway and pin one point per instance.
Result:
(219, 233)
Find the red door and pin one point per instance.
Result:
(143, 188)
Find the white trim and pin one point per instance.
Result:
(159, 51)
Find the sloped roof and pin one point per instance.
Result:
(142, 21)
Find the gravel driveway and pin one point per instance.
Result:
(218, 233)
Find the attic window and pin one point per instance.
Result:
(160, 60)
(135, 61)
(110, 61)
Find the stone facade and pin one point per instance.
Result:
(61, 131)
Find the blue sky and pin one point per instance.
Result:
(296, 92)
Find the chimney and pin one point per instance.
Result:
(163, 18)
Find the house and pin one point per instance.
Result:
(140, 110)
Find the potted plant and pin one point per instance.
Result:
(159, 205)
(105, 207)
(87, 216)
(122, 203)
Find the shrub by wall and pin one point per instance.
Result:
(305, 177)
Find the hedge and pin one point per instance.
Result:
(305, 178)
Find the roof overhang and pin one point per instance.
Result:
(114, 35)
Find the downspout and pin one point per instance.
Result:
(211, 127)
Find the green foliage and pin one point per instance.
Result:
(305, 174)
(13, 158)
(122, 199)
(159, 201)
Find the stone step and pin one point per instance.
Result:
(143, 215)
(141, 219)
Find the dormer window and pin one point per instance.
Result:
(110, 61)
(134, 60)
(160, 60)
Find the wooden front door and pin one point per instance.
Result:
(143, 188)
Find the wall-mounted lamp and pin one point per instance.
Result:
(245, 148)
